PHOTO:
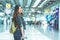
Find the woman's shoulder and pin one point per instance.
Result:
(18, 16)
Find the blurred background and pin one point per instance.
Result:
(42, 18)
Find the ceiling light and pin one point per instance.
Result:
(1, 13)
(32, 10)
(43, 3)
(39, 11)
(36, 3)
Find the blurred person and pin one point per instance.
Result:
(19, 23)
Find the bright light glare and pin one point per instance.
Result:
(39, 11)
(1, 14)
(7, 11)
(43, 3)
(27, 19)
(43, 18)
(36, 3)
(32, 10)
(29, 13)
(37, 19)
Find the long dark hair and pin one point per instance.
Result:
(16, 11)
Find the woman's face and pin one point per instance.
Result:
(20, 10)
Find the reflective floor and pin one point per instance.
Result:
(31, 33)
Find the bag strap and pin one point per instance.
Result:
(16, 24)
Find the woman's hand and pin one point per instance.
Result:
(22, 36)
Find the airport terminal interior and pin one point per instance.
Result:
(42, 19)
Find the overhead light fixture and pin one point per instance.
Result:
(32, 10)
(29, 14)
(1, 14)
(39, 11)
(36, 3)
(43, 3)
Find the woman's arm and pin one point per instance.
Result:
(22, 31)
(19, 22)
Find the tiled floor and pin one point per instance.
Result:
(31, 33)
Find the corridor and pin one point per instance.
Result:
(41, 18)
(30, 34)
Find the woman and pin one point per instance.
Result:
(18, 20)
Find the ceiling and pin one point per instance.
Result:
(30, 4)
